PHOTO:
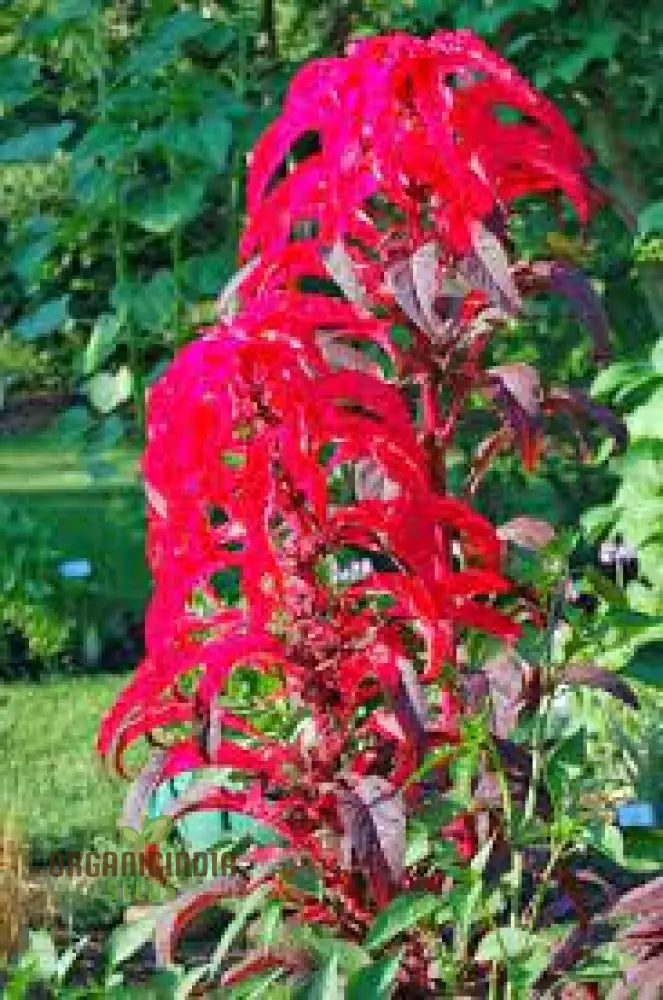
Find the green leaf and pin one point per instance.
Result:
(129, 938)
(42, 952)
(27, 257)
(219, 39)
(104, 140)
(107, 390)
(71, 426)
(17, 76)
(169, 207)
(402, 913)
(324, 946)
(102, 342)
(480, 859)
(271, 923)
(324, 985)
(150, 304)
(600, 44)
(73, 10)
(643, 850)
(618, 376)
(417, 843)
(657, 355)
(189, 979)
(95, 186)
(38, 143)
(164, 44)
(503, 943)
(646, 421)
(68, 957)
(256, 987)
(243, 914)
(130, 835)
(651, 219)
(374, 981)
(646, 665)
(607, 838)
(205, 274)
(48, 318)
(158, 829)
(436, 758)
(567, 762)
(215, 133)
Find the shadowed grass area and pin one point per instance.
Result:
(51, 780)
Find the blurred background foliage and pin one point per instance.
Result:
(124, 132)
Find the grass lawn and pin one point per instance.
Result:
(50, 778)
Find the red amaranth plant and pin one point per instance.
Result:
(311, 423)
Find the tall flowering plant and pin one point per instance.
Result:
(297, 449)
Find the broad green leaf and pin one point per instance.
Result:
(599, 44)
(17, 75)
(129, 938)
(617, 376)
(219, 39)
(102, 342)
(205, 274)
(651, 219)
(42, 951)
(73, 10)
(152, 303)
(503, 942)
(27, 257)
(107, 140)
(38, 143)
(646, 421)
(174, 137)
(71, 426)
(163, 45)
(400, 915)
(48, 318)
(107, 390)
(95, 186)
(168, 207)
(646, 665)
(374, 981)
(215, 132)
(657, 355)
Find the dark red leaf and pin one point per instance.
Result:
(411, 706)
(578, 405)
(487, 268)
(570, 282)
(589, 675)
(644, 899)
(373, 814)
(522, 383)
(527, 532)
